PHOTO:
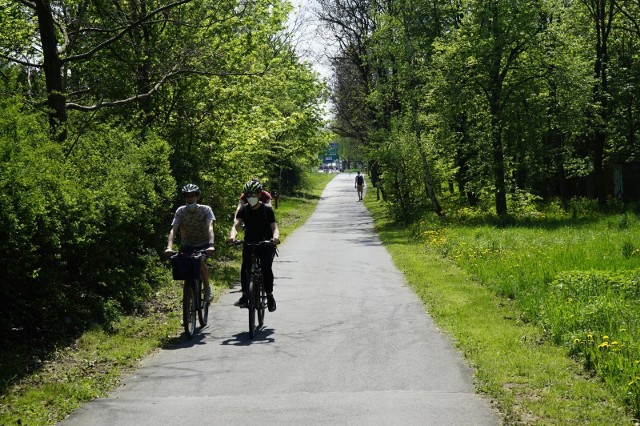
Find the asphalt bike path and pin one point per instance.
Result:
(350, 344)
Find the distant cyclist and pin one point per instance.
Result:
(359, 185)
(195, 223)
(260, 224)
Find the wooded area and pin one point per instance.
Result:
(495, 104)
(107, 108)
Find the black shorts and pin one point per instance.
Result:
(186, 248)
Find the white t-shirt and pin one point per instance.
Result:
(194, 226)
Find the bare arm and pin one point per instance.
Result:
(240, 204)
(172, 234)
(212, 237)
(234, 230)
(276, 233)
(212, 240)
(169, 250)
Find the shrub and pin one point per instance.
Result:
(81, 227)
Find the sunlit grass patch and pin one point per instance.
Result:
(597, 315)
(532, 380)
(573, 275)
(488, 283)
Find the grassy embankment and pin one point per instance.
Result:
(546, 307)
(96, 362)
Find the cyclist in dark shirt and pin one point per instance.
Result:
(263, 196)
(359, 185)
(260, 224)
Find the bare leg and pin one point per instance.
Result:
(204, 274)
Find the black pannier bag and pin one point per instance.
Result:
(185, 267)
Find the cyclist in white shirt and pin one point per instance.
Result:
(194, 222)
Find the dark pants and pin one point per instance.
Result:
(266, 254)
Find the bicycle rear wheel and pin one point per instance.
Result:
(252, 307)
(189, 308)
(203, 305)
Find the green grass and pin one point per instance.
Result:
(494, 288)
(95, 363)
(90, 367)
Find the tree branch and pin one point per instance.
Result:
(630, 17)
(78, 107)
(123, 32)
(28, 3)
(18, 61)
(223, 74)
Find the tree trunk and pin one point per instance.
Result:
(142, 39)
(603, 12)
(598, 167)
(495, 109)
(498, 169)
(428, 179)
(56, 99)
(412, 80)
(496, 144)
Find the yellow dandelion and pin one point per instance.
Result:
(605, 337)
(603, 345)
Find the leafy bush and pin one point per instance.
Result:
(81, 227)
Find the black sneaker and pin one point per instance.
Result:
(271, 302)
(241, 303)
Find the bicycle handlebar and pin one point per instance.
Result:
(195, 253)
(259, 243)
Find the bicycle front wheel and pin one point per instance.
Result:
(203, 305)
(189, 309)
(261, 303)
(252, 307)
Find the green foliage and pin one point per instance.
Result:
(74, 223)
(402, 179)
(500, 98)
(575, 273)
(209, 92)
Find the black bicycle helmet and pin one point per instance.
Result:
(252, 187)
(191, 189)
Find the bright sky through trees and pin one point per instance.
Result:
(312, 45)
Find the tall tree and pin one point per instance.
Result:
(493, 38)
(602, 14)
(420, 26)
(61, 28)
(352, 22)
